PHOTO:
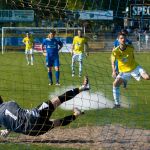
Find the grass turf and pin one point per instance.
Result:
(28, 85)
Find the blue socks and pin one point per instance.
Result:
(50, 77)
(57, 73)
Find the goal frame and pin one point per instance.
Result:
(36, 28)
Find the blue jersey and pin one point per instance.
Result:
(52, 46)
(116, 43)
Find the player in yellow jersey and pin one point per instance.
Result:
(28, 41)
(78, 47)
(127, 67)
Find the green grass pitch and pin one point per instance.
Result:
(28, 85)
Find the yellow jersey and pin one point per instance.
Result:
(126, 60)
(28, 42)
(78, 43)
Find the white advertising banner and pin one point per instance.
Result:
(96, 15)
(16, 15)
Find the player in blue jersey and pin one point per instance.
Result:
(116, 43)
(37, 121)
(52, 46)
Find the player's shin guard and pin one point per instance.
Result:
(67, 120)
(116, 95)
(68, 95)
(50, 76)
(57, 74)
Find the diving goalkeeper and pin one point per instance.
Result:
(37, 121)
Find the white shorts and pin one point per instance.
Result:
(29, 51)
(136, 74)
(77, 57)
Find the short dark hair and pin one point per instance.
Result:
(120, 33)
(124, 31)
(52, 31)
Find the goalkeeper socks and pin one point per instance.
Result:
(57, 73)
(67, 120)
(116, 95)
(68, 95)
(50, 77)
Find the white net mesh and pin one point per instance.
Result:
(101, 127)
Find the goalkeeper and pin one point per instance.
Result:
(37, 121)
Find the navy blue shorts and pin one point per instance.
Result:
(52, 62)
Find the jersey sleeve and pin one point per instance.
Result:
(44, 42)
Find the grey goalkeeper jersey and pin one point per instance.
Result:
(21, 120)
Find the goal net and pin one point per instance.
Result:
(101, 126)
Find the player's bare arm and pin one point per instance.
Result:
(44, 52)
(60, 47)
(72, 49)
(114, 74)
(86, 49)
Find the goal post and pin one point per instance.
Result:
(12, 36)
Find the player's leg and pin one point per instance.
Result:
(57, 75)
(68, 119)
(27, 56)
(80, 57)
(57, 72)
(70, 94)
(121, 77)
(80, 68)
(50, 76)
(47, 108)
(139, 72)
(72, 65)
(49, 64)
(116, 91)
(31, 56)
